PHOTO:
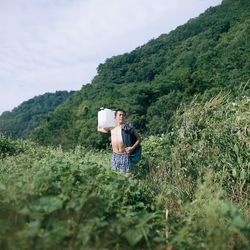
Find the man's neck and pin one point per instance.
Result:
(120, 124)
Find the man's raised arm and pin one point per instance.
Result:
(103, 130)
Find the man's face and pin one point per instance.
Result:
(120, 117)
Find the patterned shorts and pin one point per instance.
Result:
(121, 163)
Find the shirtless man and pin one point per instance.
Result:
(120, 156)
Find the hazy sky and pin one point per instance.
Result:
(49, 45)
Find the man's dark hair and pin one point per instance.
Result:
(121, 110)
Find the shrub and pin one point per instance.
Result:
(10, 147)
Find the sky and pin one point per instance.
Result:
(52, 45)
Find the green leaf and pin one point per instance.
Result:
(48, 204)
(2, 187)
(133, 236)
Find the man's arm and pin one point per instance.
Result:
(104, 130)
(138, 141)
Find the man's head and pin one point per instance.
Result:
(120, 116)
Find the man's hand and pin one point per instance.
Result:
(129, 150)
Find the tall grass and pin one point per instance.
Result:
(209, 138)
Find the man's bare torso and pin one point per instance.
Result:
(116, 140)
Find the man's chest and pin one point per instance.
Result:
(116, 135)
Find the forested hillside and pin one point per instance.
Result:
(207, 54)
(31, 114)
(200, 54)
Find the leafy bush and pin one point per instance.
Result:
(73, 201)
(211, 222)
(10, 147)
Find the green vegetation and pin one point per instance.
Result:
(207, 54)
(9, 147)
(31, 114)
(190, 191)
(187, 92)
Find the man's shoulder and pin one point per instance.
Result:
(115, 128)
(128, 127)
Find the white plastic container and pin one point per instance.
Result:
(106, 118)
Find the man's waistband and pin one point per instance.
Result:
(117, 153)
